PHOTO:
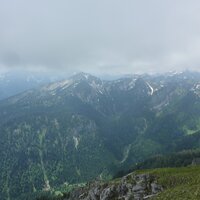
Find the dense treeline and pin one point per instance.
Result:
(181, 159)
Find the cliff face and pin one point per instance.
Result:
(132, 186)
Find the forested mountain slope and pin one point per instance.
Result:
(81, 128)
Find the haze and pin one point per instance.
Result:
(100, 37)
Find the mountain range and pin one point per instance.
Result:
(15, 82)
(82, 128)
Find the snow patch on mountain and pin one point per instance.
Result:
(86, 76)
(76, 142)
(151, 88)
(196, 89)
(58, 85)
(131, 85)
(97, 86)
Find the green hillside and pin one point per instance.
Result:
(178, 183)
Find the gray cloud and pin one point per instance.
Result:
(103, 36)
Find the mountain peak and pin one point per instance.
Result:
(83, 76)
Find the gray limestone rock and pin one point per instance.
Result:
(130, 187)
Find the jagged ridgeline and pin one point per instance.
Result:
(81, 128)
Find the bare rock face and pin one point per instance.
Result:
(130, 187)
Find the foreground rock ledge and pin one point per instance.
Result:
(133, 186)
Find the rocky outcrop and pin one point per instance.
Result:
(195, 162)
(131, 187)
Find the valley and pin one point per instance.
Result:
(83, 128)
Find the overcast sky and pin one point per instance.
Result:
(100, 36)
